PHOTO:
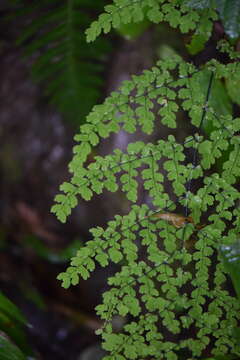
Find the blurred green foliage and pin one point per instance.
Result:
(70, 69)
(13, 341)
(231, 259)
(44, 252)
(229, 11)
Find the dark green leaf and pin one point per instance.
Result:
(9, 351)
(229, 11)
(11, 310)
(231, 259)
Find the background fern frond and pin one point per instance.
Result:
(69, 68)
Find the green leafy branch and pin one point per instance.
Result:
(177, 13)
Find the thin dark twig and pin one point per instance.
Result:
(194, 161)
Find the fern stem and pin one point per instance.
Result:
(194, 161)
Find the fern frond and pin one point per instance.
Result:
(154, 288)
(172, 11)
(172, 282)
(69, 68)
(135, 105)
(130, 107)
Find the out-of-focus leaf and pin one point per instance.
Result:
(12, 322)
(231, 260)
(16, 332)
(70, 250)
(236, 334)
(34, 296)
(232, 85)
(225, 357)
(197, 44)
(133, 30)
(229, 12)
(165, 52)
(11, 310)
(52, 256)
(218, 99)
(9, 351)
(199, 4)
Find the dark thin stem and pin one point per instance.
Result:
(194, 161)
(207, 99)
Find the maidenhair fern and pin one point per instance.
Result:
(70, 68)
(177, 12)
(172, 285)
